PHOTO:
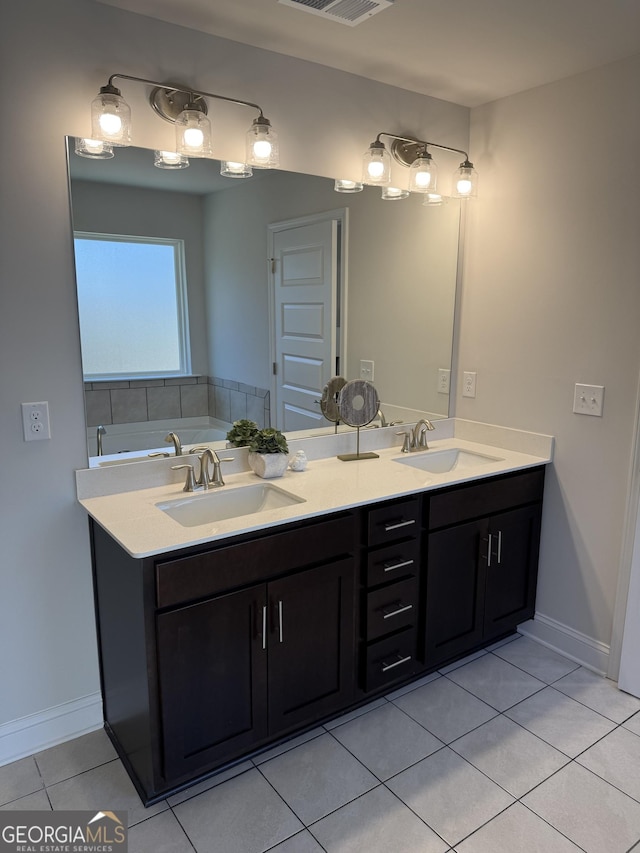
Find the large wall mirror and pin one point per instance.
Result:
(287, 284)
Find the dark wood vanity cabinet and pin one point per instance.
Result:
(481, 562)
(213, 652)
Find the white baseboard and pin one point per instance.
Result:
(568, 642)
(36, 732)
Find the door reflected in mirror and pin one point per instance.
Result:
(288, 284)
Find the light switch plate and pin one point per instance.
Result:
(366, 369)
(588, 400)
(444, 380)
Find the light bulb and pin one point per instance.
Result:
(423, 174)
(170, 157)
(193, 132)
(193, 137)
(170, 160)
(394, 193)
(465, 181)
(94, 149)
(376, 165)
(375, 169)
(423, 179)
(111, 117)
(262, 144)
(464, 186)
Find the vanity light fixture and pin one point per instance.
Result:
(231, 169)
(412, 152)
(342, 185)
(170, 160)
(94, 149)
(187, 109)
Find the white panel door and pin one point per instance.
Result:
(305, 270)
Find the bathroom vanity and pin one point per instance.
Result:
(214, 648)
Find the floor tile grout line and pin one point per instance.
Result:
(182, 827)
(533, 675)
(544, 820)
(493, 707)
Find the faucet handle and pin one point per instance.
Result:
(406, 444)
(216, 479)
(190, 484)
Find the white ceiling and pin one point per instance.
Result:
(465, 51)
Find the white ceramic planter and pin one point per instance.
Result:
(268, 465)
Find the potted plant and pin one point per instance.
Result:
(268, 453)
(241, 433)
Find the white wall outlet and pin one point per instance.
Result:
(366, 370)
(35, 421)
(444, 380)
(469, 384)
(588, 400)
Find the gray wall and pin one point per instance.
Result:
(57, 55)
(551, 297)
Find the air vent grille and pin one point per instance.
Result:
(350, 12)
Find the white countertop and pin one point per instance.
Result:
(328, 485)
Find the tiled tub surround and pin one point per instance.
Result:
(513, 750)
(140, 400)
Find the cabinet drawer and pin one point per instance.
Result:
(225, 568)
(391, 659)
(463, 503)
(393, 521)
(391, 608)
(393, 561)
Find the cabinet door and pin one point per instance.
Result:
(511, 569)
(455, 578)
(311, 644)
(212, 672)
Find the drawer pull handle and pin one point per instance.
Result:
(395, 525)
(280, 619)
(389, 613)
(387, 666)
(264, 627)
(489, 551)
(389, 567)
(499, 547)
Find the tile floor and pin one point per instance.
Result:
(513, 750)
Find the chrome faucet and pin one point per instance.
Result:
(213, 480)
(99, 433)
(420, 433)
(416, 439)
(173, 437)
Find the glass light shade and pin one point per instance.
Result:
(111, 117)
(193, 133)
(376, 165)
(423, 175)
(231, 169)
(344, 186)
(433, 199)
(94, 149)
(170, 160)
(465, 181)
(262, 144)
(394, 193)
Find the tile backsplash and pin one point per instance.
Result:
(136, 400)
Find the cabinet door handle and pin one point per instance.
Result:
(280, 620)
(264, 627)
(395, 525)
(390, 567)
(490, 537)
(387, 614)
(387, 666)
(499, 547)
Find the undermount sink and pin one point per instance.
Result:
(442, 461)
(219, 504)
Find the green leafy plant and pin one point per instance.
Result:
(242, 432)
(269, 440)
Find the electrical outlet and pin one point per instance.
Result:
(444, 380)
(366, 370)
(35, 421)
(469, 384)
(588, 400)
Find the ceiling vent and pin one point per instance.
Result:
(350, 12)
